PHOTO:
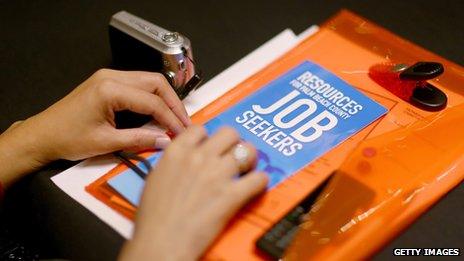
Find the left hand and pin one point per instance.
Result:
(191, 194)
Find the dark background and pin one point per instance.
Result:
(49, 47)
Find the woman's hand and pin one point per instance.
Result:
(190, 196)
(82, 124)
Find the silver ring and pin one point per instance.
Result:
(242, 156)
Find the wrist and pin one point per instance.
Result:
(153, 249)
(21, 152)
(41, 139)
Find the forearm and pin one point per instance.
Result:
(82, 124)
(21, 152)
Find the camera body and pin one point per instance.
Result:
(137, 44)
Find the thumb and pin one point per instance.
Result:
(140, 138)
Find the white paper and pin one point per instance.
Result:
(74, 180)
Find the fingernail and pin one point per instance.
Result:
(179, 129)
(161, 143)
(185, 119)
(188, 120)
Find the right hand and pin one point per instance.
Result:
(191, 195)
(82, 124)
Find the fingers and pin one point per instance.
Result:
(154, 83)
(139, 138)
(222, 141)
(149, 104)
(231, 166)
(191, 137)
(167, 93)
(247, 187)
(233, 157)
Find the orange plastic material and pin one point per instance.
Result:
(382, 187)
(385, 176)
(410, 160)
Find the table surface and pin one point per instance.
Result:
(47, 48)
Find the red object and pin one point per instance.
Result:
(171, 134)
(388, 78)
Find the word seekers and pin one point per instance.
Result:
(308, 127)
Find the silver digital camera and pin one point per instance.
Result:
(137, 44)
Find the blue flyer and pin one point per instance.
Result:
(129, 184)
(291, 121)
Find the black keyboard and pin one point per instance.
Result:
(276, 240)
